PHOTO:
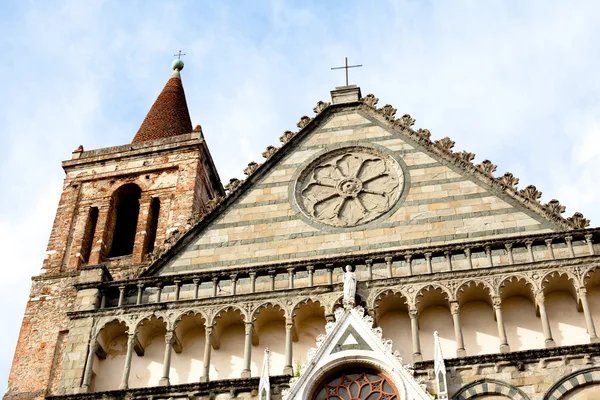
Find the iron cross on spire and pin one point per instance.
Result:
(346, 67)
(179, 55)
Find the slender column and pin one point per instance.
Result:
(288, 369)
(488, 252)
(164, 381)
(290, 278)
(140, 294)
(247, 350)
(504, 347)
(177, 289)
(529, 245)
(369, 264)
(158, 292)
(569, 241)
(272, 274)
(329, 268)
(196, 287)
(127, 367)
(429, 266)
(540, 299)
(215, 282)
(311, 273)
(469, 259)
(89, 365)
(388, 263)
(252, 282)
(550, 249)
(408, 259)
(121, 295)
(414, 328)
(588, 240)
(460, 344)
(448, 255)
(233, 278)
(207, 349)
(511, 258)
(103, 299)
(582, 293)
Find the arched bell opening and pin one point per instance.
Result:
(359, 382)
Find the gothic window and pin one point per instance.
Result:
(126, 207)
(357, 385)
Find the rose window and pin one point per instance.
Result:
(357, 386)
(351, 187)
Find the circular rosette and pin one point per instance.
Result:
(350, 188)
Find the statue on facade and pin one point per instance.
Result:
(349, 287)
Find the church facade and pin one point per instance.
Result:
(362, 259)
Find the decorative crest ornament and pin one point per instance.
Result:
(465, 156)
(232, 185)
(304, 120)
(487, 167)
(445, 144)
(508, 180)
(555, 207)
(531, 193)
(578, 221)
(321, 105)
(406, 121)
(388, 112)
(287, 136)
(424, 133)
(370, 100)
(252, 166)
(269, 151)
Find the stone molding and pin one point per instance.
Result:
(572, 381)
(491, 387)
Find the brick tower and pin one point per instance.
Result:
(117, 204)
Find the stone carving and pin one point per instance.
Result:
(555, 207)
(350, 187)
(487, 167)
(268, 153)
(321, 105)
(508, 180)
(388, 112)
(424, 133)
(287, 136)
(406, 121)
(370, 100)
(465, 156)
(232, 185)
(445, 144)
(531, 193)
(304, 120)
(252, 166)
(578, 221)
(349, 287)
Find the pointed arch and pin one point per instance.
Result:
(491, 387)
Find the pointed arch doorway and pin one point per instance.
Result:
(356, 384)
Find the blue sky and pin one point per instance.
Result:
(513, 81)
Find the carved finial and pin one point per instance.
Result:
(232, 185)
(487, 167)
(424, 133)
(213, 203)
(531, 193)
(388, 112)
(287, 136)
(508, 180)
(79, 149)
(269, 151)
(304, 120)
(370, 100)
(198, 128)
(578, 221)
(465, 156)
(252, 166)
(555, 207)
(321, 105)
(406, 121)
(445, 144)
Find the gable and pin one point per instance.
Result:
(438, 203)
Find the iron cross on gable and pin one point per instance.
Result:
(179, 55)
(346, 67)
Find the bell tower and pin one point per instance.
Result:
(117, 205)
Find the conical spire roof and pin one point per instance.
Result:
(169, 115)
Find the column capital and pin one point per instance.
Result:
(289, 323)
(208, 329)
(140, 285)
(408, 257)
(454, 307)
(588, 237)
(169, 336)
(508, 246)
(413, 313)
(497, 302)
(369, 262)
(582, 291)
(252, 274)
(248, 326)
(196, 281)
(215, 279)
(548, 242)
(569, 239)
(310, 269)
(329, 267)
(272, 272)
(177, 282)
(540, 297)
(428, 255)
(388, 260)
(291, 270)
(233, 277)
(529, 243)
(122, 288)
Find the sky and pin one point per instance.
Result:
(516, 82)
